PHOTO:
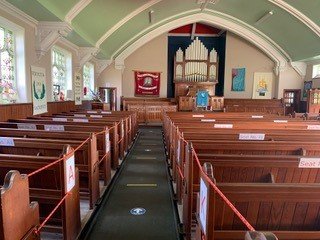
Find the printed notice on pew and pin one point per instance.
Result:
(203, 205)
(39, 90)
(70, 174)
(309, 163)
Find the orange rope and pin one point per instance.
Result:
(37, 231)
(60, 159)
(241, 217)
(227, 201)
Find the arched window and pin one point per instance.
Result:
(88, 80)
(8, 84)
(61, 73)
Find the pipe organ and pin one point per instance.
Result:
(196, 64)
(195, 69)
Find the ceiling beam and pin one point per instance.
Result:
(125, 20)
(297, 14)
(82, 4)
(227, 22)
(193, 31)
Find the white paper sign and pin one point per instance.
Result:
(208, 120)
(6, 141)
(78, 89)
(309, 163)
(122, 129)
(178, 152)
(280, 121)
(313, 127)
(107, 142)
(252, 136)
(70, 174)
(54, 128)
(203, 206)
(103, 112)
(60, 119)
(79, 115)
(39, 90)
(256, 116)
(27, 126)
(223, 126)
(198, 116)
(92, 112)
(96, 116)
(80, 120)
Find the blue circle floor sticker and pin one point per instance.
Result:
(138, 211)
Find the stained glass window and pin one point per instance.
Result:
(59, 74)
(8, 88)
(88, 80)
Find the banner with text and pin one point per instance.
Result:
(147, 83)
(78, 89)
(39, 90)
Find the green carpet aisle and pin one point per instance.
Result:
(143, 183)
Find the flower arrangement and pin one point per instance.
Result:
(96, 96)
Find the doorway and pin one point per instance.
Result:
(291, 99)
(109, 97)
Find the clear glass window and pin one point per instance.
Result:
(61, 69)
(316, 71)
(88, 80)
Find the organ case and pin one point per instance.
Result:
(195, 69)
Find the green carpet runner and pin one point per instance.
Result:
(140, 205)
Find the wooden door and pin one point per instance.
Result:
(291, 100)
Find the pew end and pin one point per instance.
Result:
(16, 208)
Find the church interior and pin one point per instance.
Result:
(160, 119)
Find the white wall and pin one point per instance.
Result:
(111, 77)
(153, 57)
(31, 57)
(242, 54)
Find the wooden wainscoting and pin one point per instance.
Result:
(23, 110)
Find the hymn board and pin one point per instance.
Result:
(195, 69)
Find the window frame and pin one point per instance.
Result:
(316, 70)
(19, 60)
(92, 80)
(69, 70)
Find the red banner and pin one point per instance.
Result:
(147, 83)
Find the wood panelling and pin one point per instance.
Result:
(254, 105)
(23, 110)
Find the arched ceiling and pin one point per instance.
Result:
(114, 25)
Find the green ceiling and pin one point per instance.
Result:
(99, 16)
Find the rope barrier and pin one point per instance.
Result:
(37, 231)
(104, 156)
(60, 159)
(227, 201)
(241, 217)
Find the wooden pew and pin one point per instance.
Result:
(18, 217)
(86, 159)
(133, 122)
(73, 126)
(290, 211)
(67, 135)
(207, 142)
(122, 124)
(47, 188)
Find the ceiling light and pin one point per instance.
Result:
(264, 17)
(151, 16)
(204, 3)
